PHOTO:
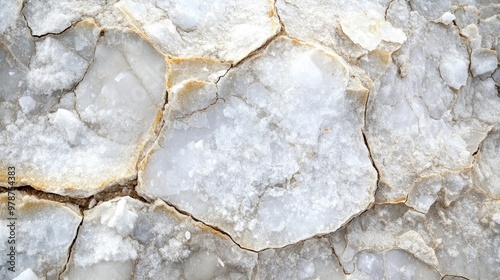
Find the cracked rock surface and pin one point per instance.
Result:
(125, 239)
(168, 139)
(256, 152)
(44, 236)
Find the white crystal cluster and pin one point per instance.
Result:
(287, 139)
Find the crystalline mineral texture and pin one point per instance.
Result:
(43, 232)
(260, 151)
(125, 237)
(229, 139)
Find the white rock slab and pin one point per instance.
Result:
(273, 153)
(483, 62)
(77, 117)
(391, 264)
(311, 259)
(10, 12)
(412, 126)
(353, 29)
(369, 30)
(445, 187)
(44, 17)
(61, 61)
(487, 169)
(44, 231)
(223, 30)
(461, 239)
(316, 259)
(127, 239)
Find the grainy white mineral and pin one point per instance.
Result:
(77, 114)
(277, 140)
(43, 232)
(230, 139)
(219, 29)
(128, 239)
(461, 239)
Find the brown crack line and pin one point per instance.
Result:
(70, 250)
(111, 192)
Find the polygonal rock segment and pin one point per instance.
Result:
(412, 129)
(123, 93)
(277, 141)
(484, 62)
(127, 239)
(357, 30)
(55, 16)
(15, 35)
(307, 19)
(487, 169)
(51, 17)
(462, 239)
(311, 259)
(43, 232)
(454, 71)
(479, 105)
(369, 30)
(28, 94)
(315, 259)
(79, 142)
(60, 61)
(392, 264)
(224, 30)
(36, 73)
(366, 234)
(445, 187)
(479, 23)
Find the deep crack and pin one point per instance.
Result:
(71, 247)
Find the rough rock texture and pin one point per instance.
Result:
(462, 239)
(277, 146)
(87, 102)
(229, 139)
(125, 237)
(223, 30)
(43, 233)
(487, 171)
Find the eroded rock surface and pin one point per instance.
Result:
(267, 146)
(250, 139)
(462, 239)
(85, 102)
(223, 30)
(127, 239)
(42, 232)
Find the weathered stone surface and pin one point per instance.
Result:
(260, 150)
(311, 259)
(461, 239)
(223, 30)
(487, 169)
(42, 234)
(127, 239)
(292, 139)
(417, 124)
(83, 103)
(45, 17)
